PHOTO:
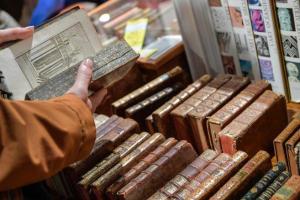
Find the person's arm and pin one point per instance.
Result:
(39, 138)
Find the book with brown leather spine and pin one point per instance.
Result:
(144, 108)
(198, 116)
(222, 161)
(138, 168)
(179, 114)
(243, 180)
(159, 173)
(232, 109)
(98, 187)
(185, 176)
(161, 116)
(211, 183)
(146, 90)
(289, 191)
(259, 123)
(282, 138)
(118, 153)
(291, 153)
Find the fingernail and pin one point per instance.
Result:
(88, 62)
(30, 27)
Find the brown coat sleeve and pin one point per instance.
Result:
(39, 138)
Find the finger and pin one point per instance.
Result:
(84, 75)
(15, 34)
(98, 98)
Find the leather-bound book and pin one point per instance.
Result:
(297, 150)
(289, 191)
(222, 161)
(248, 175)
(98, 187)
(265, 181)
(185, 176)
(275, 185)
(118, 153)
(282, 138)
(150, 126)
(150, 88)
(100, 120)
(179, 114)
(232, 109)
(161, 116)
(291, 153)
(144, 108)
(138, 168)
(259, 123)
(218, 177)
(159, 173)
(198, 116)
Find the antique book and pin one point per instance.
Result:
(141, 93)
(150, 126)
(233, 108)
(159, 173)
(98, 187)
(99, 120)
(275, 185)
(4, 91)
(161, 116)
(54, 47)
(222, 161)
(248, 175)
(282, 138)
(211, 183)
(297, 150)
(251, 125)
(144, 108)
(118, 153)
(291, 153)
(138, 168)
(265, 181)
(185, 176)
(179, 114)
(289, 191)
(198, 116)
(110, 64)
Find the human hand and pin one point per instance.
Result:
(11, 34)
(80, 87)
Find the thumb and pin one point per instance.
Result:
(84, 74)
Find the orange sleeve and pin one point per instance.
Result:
(39, 138)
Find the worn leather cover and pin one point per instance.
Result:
(232, 109)
(98, 187)
(218, 177)
(144, 108)
(138, 168)
(146, 90)
(291, 153)
(179, 114)
(161, 116)
(159, 173)
(248, 175)
(289, 191)
(185, 176)
(110, 65)
(222, 161)
(282, 138)
(198, 116)
(259, 123)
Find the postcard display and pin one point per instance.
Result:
(288, 13)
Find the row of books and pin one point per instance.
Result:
(146, 166)
(255, 38)
(221, 113)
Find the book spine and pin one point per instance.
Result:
(265, 181)
(290, 190)
(297, 150)
(245, 177)
(275, 185)
(218, 177)
(150, 124)
(187, 174)
(177, 158)
(138, 168)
